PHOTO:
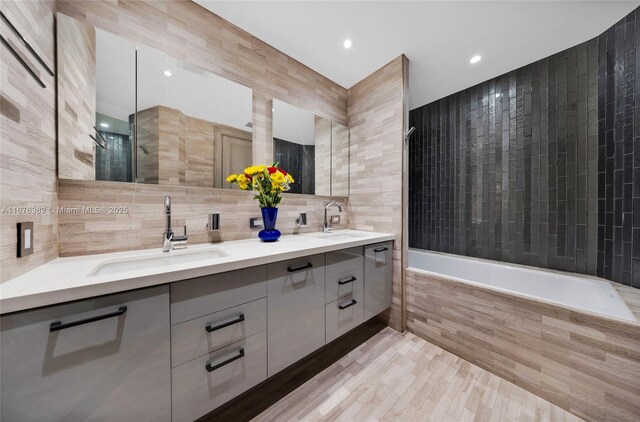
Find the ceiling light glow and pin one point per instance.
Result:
(168, 73)
(347, 43)
(475, 59)
(104, 124)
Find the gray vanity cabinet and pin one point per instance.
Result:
(295, 310)
(105, 358)
(218, 339)
(378, 270)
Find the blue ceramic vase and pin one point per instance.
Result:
(270, 233)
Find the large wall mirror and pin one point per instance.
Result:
(313, 149)
(173, 124)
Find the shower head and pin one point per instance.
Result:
(409, 132)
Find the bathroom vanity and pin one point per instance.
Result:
(139, 339)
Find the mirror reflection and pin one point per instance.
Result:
(313, 149)
(96, 96)
(294, 145)
(339, 160)
(190, 127)
(193, 126)
(115, 107)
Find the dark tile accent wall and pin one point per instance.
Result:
(299, 160)
(619, 152)
(114, 163)
(540, 166)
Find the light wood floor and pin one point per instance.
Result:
(400, 377)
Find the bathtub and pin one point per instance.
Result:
(573, 291)
(567, 338)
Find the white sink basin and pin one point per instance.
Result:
(161, 259)
(337, 235)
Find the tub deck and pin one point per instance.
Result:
(631, 297)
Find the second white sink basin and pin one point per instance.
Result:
(162, 259)
(337, 235)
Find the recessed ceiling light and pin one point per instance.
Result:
(104, 124)
(167, 73)
(475, 59)
(347, 43)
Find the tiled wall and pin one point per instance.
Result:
(376, 121)
(76, 84)
(619, 152)
(130, 216)
(299, 160)
(28, 135)
(508, 169)
(114, 162)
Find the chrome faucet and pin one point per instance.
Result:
(170, 240)
(326, 224)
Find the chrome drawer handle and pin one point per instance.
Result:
(211, 368)
(210, 327)
(303, 267)
(380, 250)
(58, 325)
(341, 282)
(353, 302)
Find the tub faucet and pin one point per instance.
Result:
(170, 240)
(326, 224)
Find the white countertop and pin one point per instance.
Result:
(67, 279)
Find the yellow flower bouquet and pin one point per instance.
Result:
(268, 183)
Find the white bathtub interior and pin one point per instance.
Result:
(575, 291)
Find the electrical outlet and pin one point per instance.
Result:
(256, 223)
(25, 239)
(335, 219)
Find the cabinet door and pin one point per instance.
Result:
(295, 310)
(378, 272)
(106, 358)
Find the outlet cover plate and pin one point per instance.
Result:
(25, 239)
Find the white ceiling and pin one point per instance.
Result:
(438, 37)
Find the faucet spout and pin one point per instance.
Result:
(170, 239)
(326, 225)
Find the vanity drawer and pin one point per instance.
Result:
(200, 336)
(199, 387)
(339, 262)
(204, 295)
(339, 321)
(344, 284)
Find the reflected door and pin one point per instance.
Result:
(236, 154)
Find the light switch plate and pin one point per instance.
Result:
(25, 239)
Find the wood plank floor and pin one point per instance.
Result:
(400, 377)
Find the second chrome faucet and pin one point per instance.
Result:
(170, 240)
(326, 224)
